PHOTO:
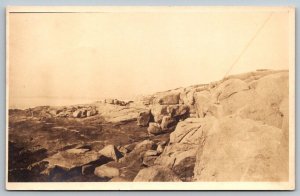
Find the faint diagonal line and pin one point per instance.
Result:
(248, 44)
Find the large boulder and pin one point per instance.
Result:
(72, 158)
(270, 101)
(156, 174)
(229, 87)
(119, 114)
(238, 149)
(202, 101)
(180, 154)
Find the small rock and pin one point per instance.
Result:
(156, 174)
(154, 128)
(150, 153)
(158, 111)
(159, 149)
(143, 118)
(104, 171)
(110, 151)
(149, 160)
(118, 179)
(87, 169)
(144, 145)
(77, 114)
(167, 122)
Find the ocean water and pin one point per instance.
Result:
(23, 103)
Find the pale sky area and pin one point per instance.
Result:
(92, 56)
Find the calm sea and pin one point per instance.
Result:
(23, 103)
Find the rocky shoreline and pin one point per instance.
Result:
(235, 129)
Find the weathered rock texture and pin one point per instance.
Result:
(235, 129)
(240, 133)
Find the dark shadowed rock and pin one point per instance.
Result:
(143, 118)
(167, 122)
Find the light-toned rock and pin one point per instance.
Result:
(269, 100)
(77, 114)
(118, 179)
(149, 160)
(154, 128)
(202, 101)
(187, 97)
(144, 145)
(119, 114)
(110, 151)
(238, 149)
(169, 99)
(156, 174)
(158, 112)
(229, 87)
(104, 171)
(159, 149)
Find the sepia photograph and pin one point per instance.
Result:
(150, 98)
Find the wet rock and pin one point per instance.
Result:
(156, 174)
(154, 128)
(104, 171)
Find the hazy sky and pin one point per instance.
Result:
(121, 55)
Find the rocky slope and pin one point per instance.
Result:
(235, 129)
